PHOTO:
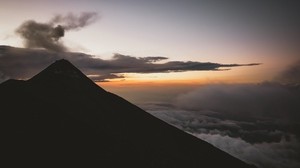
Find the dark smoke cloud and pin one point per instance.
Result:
(47, 35)
(74, 22)
(23, 63)
(41, 35)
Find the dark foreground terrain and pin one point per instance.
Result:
(60, 118)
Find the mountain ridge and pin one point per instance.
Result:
(62, 116)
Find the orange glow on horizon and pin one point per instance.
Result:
(169, 82)
(235, 75)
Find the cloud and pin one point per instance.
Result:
(74, 22)
(105, 77)
(124, 63)
(22, 63)
(258, 123)
(41, 35)
(3, 77)
(291, 75)
(265, 143)
(47, 35)
(266, 155)
(208, 122)
(245, 101)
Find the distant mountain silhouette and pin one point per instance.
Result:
(61, 118)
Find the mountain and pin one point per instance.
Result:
(61, 118)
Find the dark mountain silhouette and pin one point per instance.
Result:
(61, 118)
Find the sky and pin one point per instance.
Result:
(226, 71)
(205, 31)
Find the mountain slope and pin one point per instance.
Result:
(61, 116)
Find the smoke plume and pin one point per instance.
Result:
(47, 35)
(73, 22)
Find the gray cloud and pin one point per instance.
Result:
(41, 35)
(3, 77)
(47, 35)
(209, 122)
(125, 63)
(263, 142)
(258, 123)
(105, 77)
(291, 75)
(246, 101)
(75, 22)
(23, 63)
(282, 154)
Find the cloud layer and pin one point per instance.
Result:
(291, 75)
(258, 123)
(21, 63)
(248, 100)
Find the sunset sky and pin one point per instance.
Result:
(226, 71)
(204, 31)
